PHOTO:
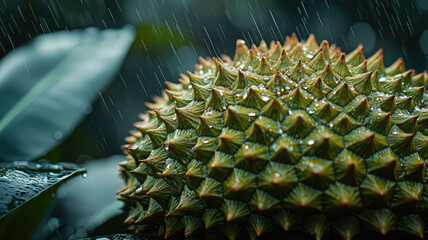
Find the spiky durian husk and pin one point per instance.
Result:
(297, 136)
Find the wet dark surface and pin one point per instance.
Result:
(21, 181)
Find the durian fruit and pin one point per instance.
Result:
(295, 137)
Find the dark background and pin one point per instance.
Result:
(171, 34)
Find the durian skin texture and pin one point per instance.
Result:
(296, 137)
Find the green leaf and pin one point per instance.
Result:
(48, 86)
(27, 191)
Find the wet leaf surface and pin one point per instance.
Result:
(22, 181)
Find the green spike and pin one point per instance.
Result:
(323, 110)
(170, 122)
(244, 81)
(340, 67)
(179, 144)
(329, 76)
(210, 123)
(315, 172)
(189, 201)
(379, 121)
(414, 167)
(400, 142)
(311, 43)
(280, 84)
(192, 225)
(285, 149)
(148, 183)
(200, 92)
(347, 227)
(187, 116)
(376, 82)
(419, 80)
(277, 179)
(173, 227)
(343, 124)
(407, 196)
(350, 169)
(264, 67)
(387, 103)
(134, 214)
(275, 52)
(143, 170)
(356, 57)
(375, 62)
(210, 191)
(284, 63)
(407, 77)
(322, 143)
(156, 159)
(396, 68)
(298, 71)
(204, 148)
(182, 100)
(232, 231)
(297, 99)
(224, 76)
(172, 210)
(377, 192)
(239, 118)
(259, 225)
(318, 62)
(298, 54)
(364, 142)
(342, 199)
(219, 99)
(154, 211)
(304, 199)
(380, 221)
(212, 218)
(241, 53)
(385, 164)
(234, 210)
(407, 123)
(324, 48)
(220, 166)
(412, 224)
(140, 149)
(405, 103)
(229, 140)
(317, 225)
(263, 202)
(361, 82)
(317, 87)
(251, 62)
(342, 94)
(423, 117)
(421, 144)
(160, 191)
(196, 172)
(416, 93)
(251, 157)
(255, 98)
(287, 220)
(394, 85)
(275, 109)
(298, 124)
(239, 185)
(195, 79)
(361, 68)
(263, 130)
(174, 172)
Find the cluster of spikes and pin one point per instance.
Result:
(295, 137)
